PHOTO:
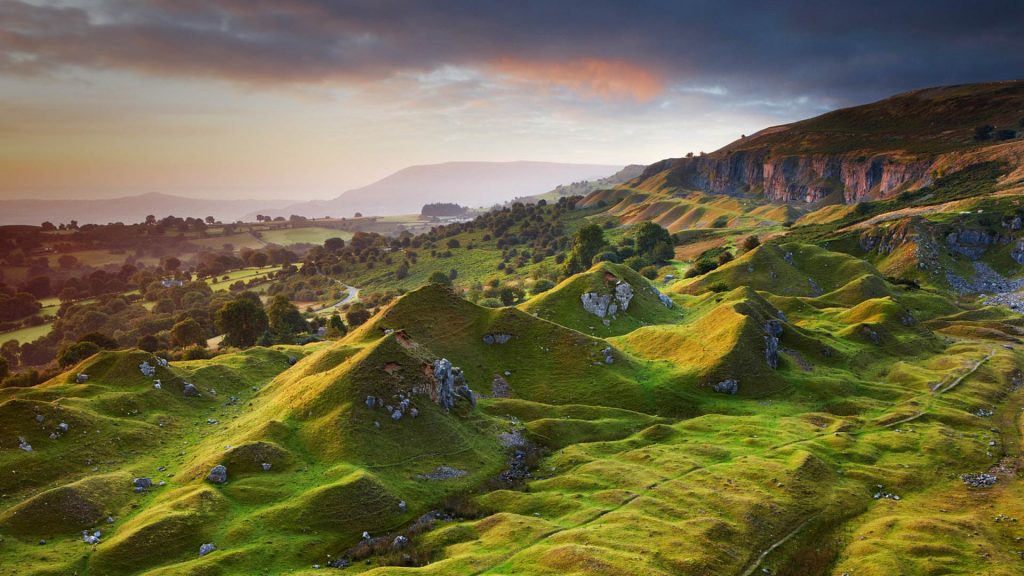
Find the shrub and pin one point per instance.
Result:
(720, 222)
(649, 272)
(983, 132)
(543, 285)
(438, 277)
(606, 256)
(750, 242)
(719, 287)
(195, 352)
(490, 303)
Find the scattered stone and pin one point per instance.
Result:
(729, 386)
(157, 385)
(142, 484)
(599, 305)
(292, 360)
(266, 466)
(218, 475)
(665, 300)
(882, 494)
(93, 538)
(206, 549)
(982, 480)
(371, 401)
(23, 444)
(403, 506)
(366, 535)
(162, 362)
(399, 542)
(788, 257)
(500, 388)
(396, 415)
(211, 421)
(442, 473)
(40, 418)
(983, 412)
(81, 378)
(414, 412)
(513, 439)
(191, 390)
(608, 358)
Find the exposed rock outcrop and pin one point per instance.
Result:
(773, 330)
(799, 178)
(602, 305)
(449, 385)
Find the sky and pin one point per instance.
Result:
(303, 99)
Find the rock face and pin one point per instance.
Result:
(449, 385)
(218, 475)
(798, 178)
(972, 243)
(730, 386)
(602, 305)
(773, 330)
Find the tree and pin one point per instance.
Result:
(357, 317)
(11, 351)
(76, 353)
(102, 340)
(171, 264)
(358, 215)
(148, 343)
(210, 220)
(285, 319)
(48, 227)
(336, 327)
(750, 242)
(67, 261)
(188, 332)
(586, 243)
(259, 259)
(334, 244)
(242, 321)
(438, 277)
(983, 132)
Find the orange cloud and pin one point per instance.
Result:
(591, 77)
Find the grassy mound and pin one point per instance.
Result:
(69, 508)
(562, 304)
(786, 269)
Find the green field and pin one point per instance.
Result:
(310, 235)
(30, 334)
(245, 274)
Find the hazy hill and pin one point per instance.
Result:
(466, 183)
(125, 209)
(860, 153)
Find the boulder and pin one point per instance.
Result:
(81, 378)
(729, 386)
(190, 390)
(623, 295)
(142, 484)
(206, 549)
(218, 475)
(497, 338)
(599, 305)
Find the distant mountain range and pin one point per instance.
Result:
(127, 209)
(471, 184)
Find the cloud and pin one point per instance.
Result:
(640, 51)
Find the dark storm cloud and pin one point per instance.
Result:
(845, 51)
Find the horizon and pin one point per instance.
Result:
(311, 98)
